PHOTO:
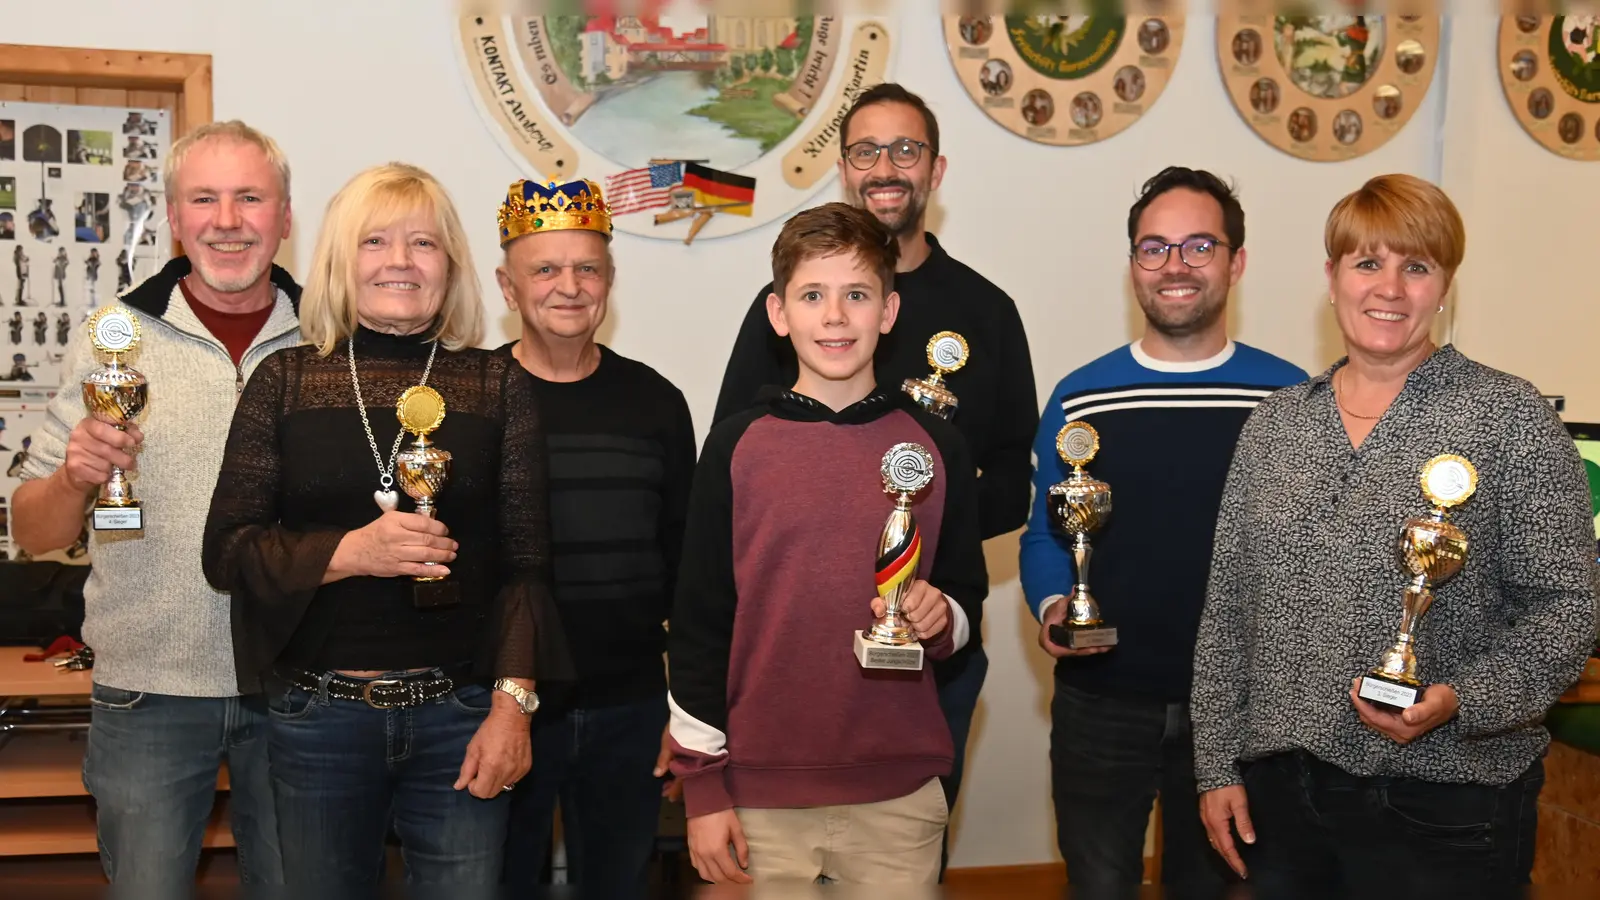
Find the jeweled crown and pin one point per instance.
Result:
(531, 208)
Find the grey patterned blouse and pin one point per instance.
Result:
(1305, 589)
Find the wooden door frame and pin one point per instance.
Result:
(186, 74)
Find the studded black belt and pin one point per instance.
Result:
(379, 693)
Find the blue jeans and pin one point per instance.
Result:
(958, 699)
(960, 681)
(1324, 833)
(598, 763)
(345, 772)
(152, 765)
(1109, 759)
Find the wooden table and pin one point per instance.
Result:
(40, 696)
(45, 811)
(44, 721)
(38, 679)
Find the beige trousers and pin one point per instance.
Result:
(889, 842)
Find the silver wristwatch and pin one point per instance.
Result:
(527, 700)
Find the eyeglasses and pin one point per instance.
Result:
(1196, 252)
(903, 153)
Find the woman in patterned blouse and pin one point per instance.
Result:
(1331, 793)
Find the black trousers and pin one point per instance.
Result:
(1109, 759)
(1322, 832)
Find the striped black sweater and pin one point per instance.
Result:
(622, 451)
(1167, 432)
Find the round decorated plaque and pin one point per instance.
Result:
(1448, 480)
(113, 329)
(907, 468)
(1550, 68)
(1065, 80)
(693, 125)
(1327, 88)
(420, 410)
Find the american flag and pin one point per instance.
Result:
(647, 188)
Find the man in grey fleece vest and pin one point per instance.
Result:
(166, 705)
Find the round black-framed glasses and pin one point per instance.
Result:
(1196, 252)
(904, 153)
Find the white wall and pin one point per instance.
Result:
(1530, 297)
(346, 84)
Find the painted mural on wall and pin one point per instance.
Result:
(697, 125)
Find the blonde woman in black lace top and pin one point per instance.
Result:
(394, 702)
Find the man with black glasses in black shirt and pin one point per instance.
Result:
(621, 456)
(890, 165)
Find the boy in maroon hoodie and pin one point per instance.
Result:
(797, 762)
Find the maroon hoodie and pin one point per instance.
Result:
(769, 705)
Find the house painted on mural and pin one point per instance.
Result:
(615, 46)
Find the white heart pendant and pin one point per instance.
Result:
(387, 501)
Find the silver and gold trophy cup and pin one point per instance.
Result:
(115, 395)
(1432, 550)
(1080, 506)
(422, 468)
(947, 352)
(890, 643)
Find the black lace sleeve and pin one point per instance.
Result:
(272, 572)
(527, 640)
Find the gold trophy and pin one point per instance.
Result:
(422, 468)
(890, 643)
(1079, 507)
(115, 395)
(947, 352)
(1433, 551)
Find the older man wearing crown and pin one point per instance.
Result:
(622, 453)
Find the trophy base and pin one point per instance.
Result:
(118, 518)
(1388, 694)
(873, 655)
(434, 593)
(1082, 637)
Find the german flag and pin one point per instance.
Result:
(724, 192)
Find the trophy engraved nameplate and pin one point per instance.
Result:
(421, 468)
(947, 352)
(1080, 506)
(115, 394)
(890, 643)
(1432, 551)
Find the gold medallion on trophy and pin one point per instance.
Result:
(890, 643)
(1080, 506)
(115, 394)
(421, 467)
(947, 352)
(1432, 550)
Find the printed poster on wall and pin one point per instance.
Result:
(82, 219)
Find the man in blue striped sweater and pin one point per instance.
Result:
(1168, 409)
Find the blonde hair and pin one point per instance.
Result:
(1402, 213)
(231, 130)
(377, 198)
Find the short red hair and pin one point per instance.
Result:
(1403, 214)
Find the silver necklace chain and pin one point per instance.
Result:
(385, 475)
